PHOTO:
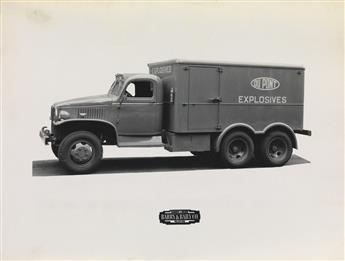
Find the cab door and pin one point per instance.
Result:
(140, 111)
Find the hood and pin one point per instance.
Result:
(85, 101)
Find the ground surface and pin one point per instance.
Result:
(143, 165)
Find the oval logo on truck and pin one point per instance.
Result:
(265, 83)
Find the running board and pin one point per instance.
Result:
(139, 141)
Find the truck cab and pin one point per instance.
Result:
(139, 105)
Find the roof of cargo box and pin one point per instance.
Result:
(222, 63)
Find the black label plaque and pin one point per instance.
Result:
(179, 217)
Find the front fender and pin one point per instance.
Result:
(101, 128)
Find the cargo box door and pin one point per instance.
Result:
(203, 98)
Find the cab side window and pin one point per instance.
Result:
(140, 89)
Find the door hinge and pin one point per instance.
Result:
(219, 127)
(186, 68)
(220, 70)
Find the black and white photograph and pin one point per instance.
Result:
(169, 130)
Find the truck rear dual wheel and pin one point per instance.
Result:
(237, 150)
(80, 152)
(275, 149)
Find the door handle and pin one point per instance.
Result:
(216, 100)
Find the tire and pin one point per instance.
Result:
(80, 152)
(55, 149)
(275, 149)
(237, 150)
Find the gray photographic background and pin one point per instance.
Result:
(52, 52)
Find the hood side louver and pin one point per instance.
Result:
(91, 113)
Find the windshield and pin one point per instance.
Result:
(115, 88)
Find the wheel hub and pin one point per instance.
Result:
(277, 149)
(237, 149)
(81, 152)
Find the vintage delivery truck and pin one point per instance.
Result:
(233, 112)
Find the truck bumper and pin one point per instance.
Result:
(303, 132)
(45, 135)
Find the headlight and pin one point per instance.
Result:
(64, 115)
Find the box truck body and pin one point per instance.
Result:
(209, 97)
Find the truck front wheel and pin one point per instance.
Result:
(275, 149)
(237, 150)
(80, 152)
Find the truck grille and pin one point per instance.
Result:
(91, 112)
